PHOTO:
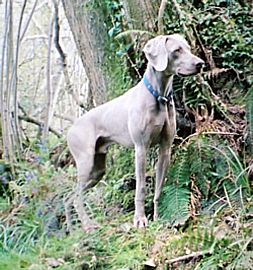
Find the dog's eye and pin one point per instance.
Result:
(177, 51)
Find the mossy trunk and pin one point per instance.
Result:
(142, 14)
(86, 20)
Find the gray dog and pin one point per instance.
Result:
(140, 118)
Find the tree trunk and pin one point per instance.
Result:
(90, 35)
(142, 14)
(14, 85)
(5, 89)
(49, 85)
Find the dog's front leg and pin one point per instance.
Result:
(140, 220)
(161, 168)
(168, 135)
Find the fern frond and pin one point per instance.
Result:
(180, 171)
(174, 204)
(216, 72)
(178, 83)
(201, 159)
(133, 31)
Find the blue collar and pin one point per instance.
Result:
(162, 99)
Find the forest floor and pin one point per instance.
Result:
(33, 235)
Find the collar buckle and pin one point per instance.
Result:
(162, 99)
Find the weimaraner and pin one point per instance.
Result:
(141, 117)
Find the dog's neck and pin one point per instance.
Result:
(160, 80)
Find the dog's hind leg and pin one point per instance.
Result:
(83, 151)
(68, 202)
(98, 169)
(84, 182)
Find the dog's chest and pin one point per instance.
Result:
(156, 126)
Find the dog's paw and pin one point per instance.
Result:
(140, 222)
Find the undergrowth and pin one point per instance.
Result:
(223, 240)
(206, 207)
(203, 171)
(210, 210)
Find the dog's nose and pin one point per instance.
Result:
(199, 65)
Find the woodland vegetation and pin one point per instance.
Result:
(61, 58)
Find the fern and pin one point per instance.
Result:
(201, 161)
(212, 168)
(180, 170)
(174, 205)
(178, 84)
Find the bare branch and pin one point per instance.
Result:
(190, 256)
(57, 34)
(63, 57)
(38, 123)
(36, 37)
(193, 255)
(65, 117)
(28, 21)
(14, 81)
(27, 118)
(207, 54)
(160, 16)
(49, 90)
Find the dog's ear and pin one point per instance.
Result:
(156, 53)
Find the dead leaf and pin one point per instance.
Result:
(54, 263)
(149, 264)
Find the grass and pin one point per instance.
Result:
(220, 240)
(117, 245)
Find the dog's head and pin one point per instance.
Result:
(172, 53)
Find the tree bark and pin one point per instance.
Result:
(49, 86)
(142, 14)
(90, 35)
(5, 87)
(14, 85)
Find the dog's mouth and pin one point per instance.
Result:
(185, 72)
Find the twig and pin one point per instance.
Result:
(65, 117)
(63, 57)
(209, 133)
(133, 66)
(193, 255)
(249, 240)
(27, 118)
(181, 18)
(57, 34)
(189, 256)
(207, 54)
(38, 123)
(160, 16)
(134, 31)
(34, 37)
(41, 5)
(28, 21)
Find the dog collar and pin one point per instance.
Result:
(162, 99)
